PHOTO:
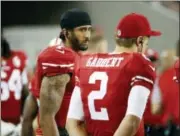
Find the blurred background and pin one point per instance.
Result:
(30, 26)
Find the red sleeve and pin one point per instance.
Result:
(143, 71)
(53, 61)
(56, 61)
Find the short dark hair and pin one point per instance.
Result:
(74, 18)
(5, 48)
(62, 36)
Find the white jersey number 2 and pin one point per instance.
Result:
(98, 95)
(14, 84)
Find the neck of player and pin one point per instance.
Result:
(121, 49)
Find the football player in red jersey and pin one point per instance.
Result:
(170, 101)
(97, 44)
(176, 78)
(112, 95)
(13, 88)
(31, 106)
(55, 71)
(153, 123)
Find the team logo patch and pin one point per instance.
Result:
(16, 61)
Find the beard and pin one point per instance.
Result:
(77, 45)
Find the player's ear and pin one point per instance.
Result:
(65, 32)
(140, 40)
(139, 43)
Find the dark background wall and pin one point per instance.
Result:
(33, 12)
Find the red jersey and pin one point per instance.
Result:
(105, 82)
(53, 61)
(170, 97)
(13, 77)
(32, 88)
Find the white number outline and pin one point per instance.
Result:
(14, 84)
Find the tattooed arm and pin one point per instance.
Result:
(51, 95)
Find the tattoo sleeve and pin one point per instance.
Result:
(51, 95)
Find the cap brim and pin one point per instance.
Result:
(155, 33)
